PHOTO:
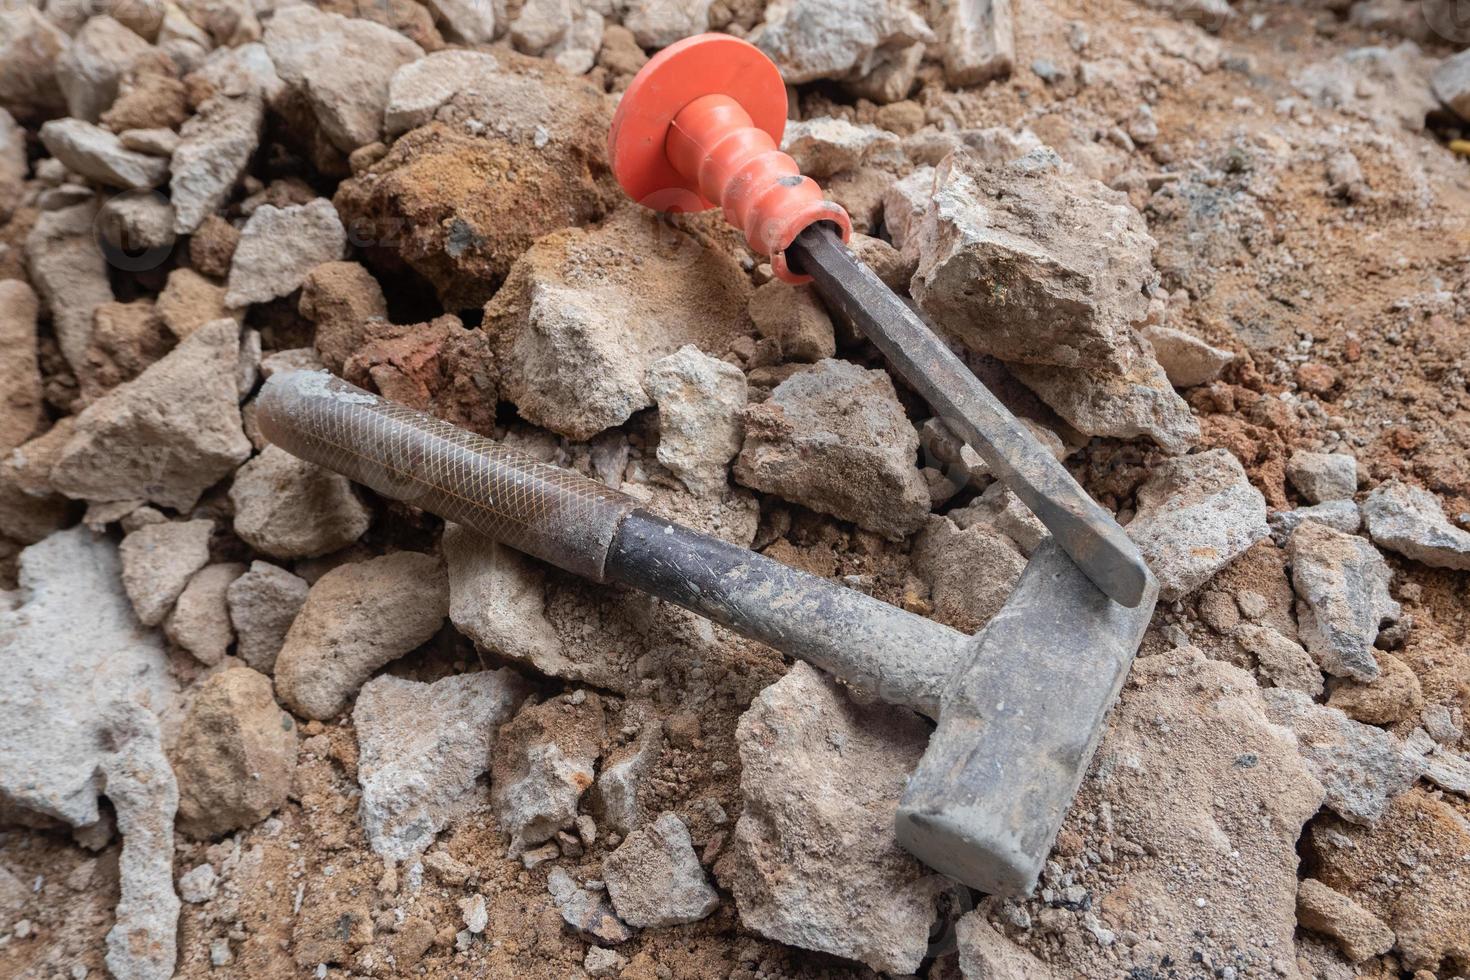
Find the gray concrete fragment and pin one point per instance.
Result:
(288, 508)
(159, 560)
(30, 45)
(701, 403)
(812, 39)
(422, 750)
(69, 272)
(979, 38)
(215, 146)
(621, 778)
(971, 572)
(1187, 361)
(279, 246)
(1343, 601)
(99, 155)
(1411, 521)
(659, 23)
(263, 603)
(545, 762)
(1451, 83)
(1362, 768)
(1279, 659)
(985, 954)
(654, 877)
(200, 621)
(167, 435)
(1340, 515)
(815, 768)
(73, 620)
(91, 68)
(470, 21)
(828, 145)
(357, 618)
(587, 912)
(1321, 477)
(1196, 514)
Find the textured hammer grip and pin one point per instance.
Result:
(555, 514)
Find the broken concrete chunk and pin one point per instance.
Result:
(587, 912)
(419, 88)
(1363, 768)
(30, 47)
(143, 942)
(1393, 696)
(288, 508)
(621, 778)
(905, 202)
(1279, 659)
(542, 765)
(263, 603)
(655, 879)
(97, 154)
(167, 435)
(795, 319)
(127, 338)
(358, 617)
(470, 21)
(817, 769)
(1360, 933)
(812, 39)
(198, 885)
(659, 23)
(1321, 477)
(833, 437)
(1340, 515)
(1056, 297)
(91, 68)
(215, 146)
(1410, 520)
(20, 373)
(69, 272)
(72, 621)
(701, 404)
(1342, 598)
(979, 38)
(422, 750)
(1187, 361)
(157, 562)
(279, 246)
(827, 145)
(1196, 514)
(200, 621)
(342, 65)
(985, 954)
(970, 572)
(234, 756)
(497, 597)
(1451, 83)
(570, 363)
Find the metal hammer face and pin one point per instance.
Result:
(1019, 720)
(1020, 707)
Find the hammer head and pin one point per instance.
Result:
(1018, 723)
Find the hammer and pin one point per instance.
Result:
(1020, 706)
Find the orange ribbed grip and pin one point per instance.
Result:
(699, 127)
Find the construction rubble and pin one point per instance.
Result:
(259, 721)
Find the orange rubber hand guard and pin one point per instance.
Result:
(700, 127)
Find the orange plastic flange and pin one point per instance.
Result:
(700, 127)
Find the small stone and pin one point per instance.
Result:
(655, 879)
(279, 246)
(188, 301)
(159, 560)
(476, 915)
(1360, 933)
(979, 41)
(1393, 696)
(30, 47)
(701, 402)
(659, 23)
(215, 146)
(1451, 83)
(537, 856)
(263, 602)
(984, 952)
(99, 155)
(1196, 514)
(341, 298)
(794, 318)
(1321, 477)
(154, 142)
(1343, 601)
(469, 21)
(20, 373)
(127, 338)
(422, 750)
(198, 885)
(834, 437)
(69, 272)
(235, 754)
(1279, 659)
(621, 779)
(970, 572)
(1187, 361)
(1340, 515)
(1363, 768)
(212, 247)
(92, 67)
(867, 899)
(842, 39)
(286, 507)
(600, 962)
(357, 618)
(200, 621)
(167, 435)
(1219, 612)
(220, 953)
(828, 145)
(588, 912)
(544, 763)
(1410, 521)
(342, 67)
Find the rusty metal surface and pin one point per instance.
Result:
(555, 514)
(1084, 529)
